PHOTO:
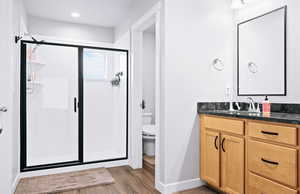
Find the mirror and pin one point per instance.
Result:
(261, 55)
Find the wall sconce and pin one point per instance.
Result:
(237, 4)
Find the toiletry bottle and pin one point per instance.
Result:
(266, 105)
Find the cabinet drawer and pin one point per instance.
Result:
(227, 125)
(276, 133)
(274, 162)
(259, 185)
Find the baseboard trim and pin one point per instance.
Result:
(160, 187)
(15, 183)
(179, 186)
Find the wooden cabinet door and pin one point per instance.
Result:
(210, 157)
(232, 164)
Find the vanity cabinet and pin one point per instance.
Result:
(275, 162)
(222, 153)
(211, 157)
(273, 133)
(232, 164)
(249, 156)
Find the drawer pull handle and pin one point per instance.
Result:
(269, 162)
(223, 144)
(216, 142)
(269, 133)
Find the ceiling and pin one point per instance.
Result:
(108, 13)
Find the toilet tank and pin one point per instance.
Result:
(147, 118)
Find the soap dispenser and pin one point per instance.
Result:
(266, 106)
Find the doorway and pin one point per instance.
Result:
(74, 102)
(141, 99)
(148, 99)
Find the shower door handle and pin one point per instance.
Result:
(75, 104)
(143, 104)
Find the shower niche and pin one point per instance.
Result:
(71, 114)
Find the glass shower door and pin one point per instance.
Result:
(105, 105)
(74, 105)
(51, 95)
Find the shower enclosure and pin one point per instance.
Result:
(74, 105)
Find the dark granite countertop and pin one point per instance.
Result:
(288, 113)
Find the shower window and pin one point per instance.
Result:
(95, 64)
(72, 110)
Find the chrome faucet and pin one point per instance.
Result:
(238, 106)
(252, 106)
(231, 106)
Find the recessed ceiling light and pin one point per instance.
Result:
(75, 15)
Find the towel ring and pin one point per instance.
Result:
(253, 68)
(218, 64)
(3, 109)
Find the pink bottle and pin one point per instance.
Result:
(266, 105)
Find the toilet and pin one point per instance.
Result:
(148, 131)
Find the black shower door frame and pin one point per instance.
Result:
(23, 108)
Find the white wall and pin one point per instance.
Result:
(6, 100)
(293, 47)
(149, 73)
(11, 14)
(138, 9)
(196, 32)
(123, 42)
(70, 31)
(19, 28)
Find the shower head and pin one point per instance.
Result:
(119, 74)
(116, 81)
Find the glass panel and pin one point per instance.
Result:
(52, 85)
(96, 65)
(105, 104)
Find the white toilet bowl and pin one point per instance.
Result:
(149, 140)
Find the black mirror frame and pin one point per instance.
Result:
(285, 53)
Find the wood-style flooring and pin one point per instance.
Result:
(129, 181)
(200, 190)
(149, 164)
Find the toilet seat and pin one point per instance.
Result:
(149, 130)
